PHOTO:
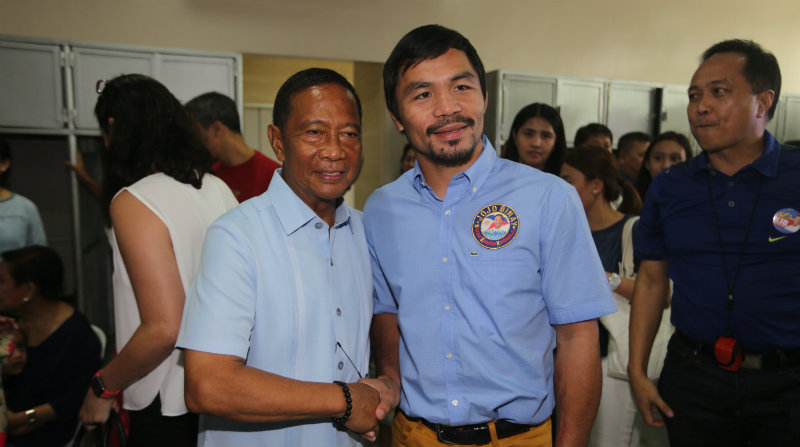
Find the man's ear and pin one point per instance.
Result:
(397, 123)
(765, 100)
(276, 141)
(216, 129)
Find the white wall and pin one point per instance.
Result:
(643, 40)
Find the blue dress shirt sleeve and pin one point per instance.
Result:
(574, 284)
(219, 313)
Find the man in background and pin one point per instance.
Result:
(630, 154)
(245, 170)
(721, 227)
(594, 134)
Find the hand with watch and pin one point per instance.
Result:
(614, 281)
(98, 403)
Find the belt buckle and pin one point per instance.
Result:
(440, 435)
(753, 361)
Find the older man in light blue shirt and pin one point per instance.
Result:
(282, 304)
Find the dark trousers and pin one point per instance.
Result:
(149, 428)
(715, 407)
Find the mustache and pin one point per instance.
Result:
(448, 121)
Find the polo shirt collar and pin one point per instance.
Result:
(476, 174)
(766, 164)
(292, 212)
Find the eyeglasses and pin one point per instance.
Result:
(100, 85)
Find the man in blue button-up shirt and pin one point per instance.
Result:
(724, 227)
(481, 268)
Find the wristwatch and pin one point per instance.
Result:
(31, 415)
(614, 281)
(99, 387)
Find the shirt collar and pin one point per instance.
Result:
(476, 174)
(292, 212)
(766, 164)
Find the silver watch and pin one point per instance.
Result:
(614, 281)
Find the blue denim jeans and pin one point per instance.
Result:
(714, 407)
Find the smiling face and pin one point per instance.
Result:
(535, 141)
(441, 109)
(664, 154)
(321, 145)
(723, 111)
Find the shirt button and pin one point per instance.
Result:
(447, 212)
(449, 356)
(730, 204)
(318, 225)
(341, 365)
(454, 402)
(730, 182)
(447, 307)
(474, 189)
(338, 311)
(444, 259)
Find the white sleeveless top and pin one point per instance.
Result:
(187, 213)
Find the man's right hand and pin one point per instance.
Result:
(389, 391)
(649, 401)
(362, 417)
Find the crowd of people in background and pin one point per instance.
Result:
(511, 297)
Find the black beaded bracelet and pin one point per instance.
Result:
(339, 422)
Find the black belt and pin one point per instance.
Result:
(771, 360)
(477, 434)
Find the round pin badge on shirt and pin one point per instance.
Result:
(787, 221)
(495, 226)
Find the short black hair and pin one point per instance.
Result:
(37, 264)
(425, 43)
(552, 116)
(5, 154)
(588, 130)
(626, 141)
(300, 81)
(761, 69)
(213, 106)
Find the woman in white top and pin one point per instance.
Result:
(161, 201)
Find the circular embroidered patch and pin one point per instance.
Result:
(787, 221)
(495, 226)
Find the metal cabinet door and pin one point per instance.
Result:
(91, 65)
(30, 92)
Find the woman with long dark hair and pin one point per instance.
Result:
(537, 138)
(161, 199)
(664, 151)
(594, 174)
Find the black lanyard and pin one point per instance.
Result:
(731, 286)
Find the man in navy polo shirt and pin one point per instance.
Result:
(722, 227)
